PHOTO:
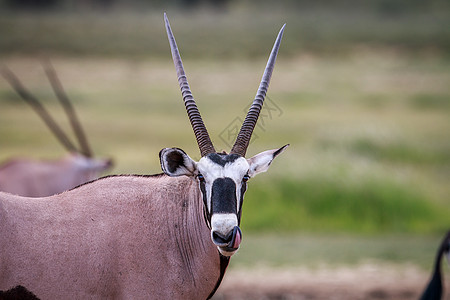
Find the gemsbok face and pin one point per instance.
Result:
(222, 178)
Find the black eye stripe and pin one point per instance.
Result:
(243, 189)
(206, 214)
(200, 177)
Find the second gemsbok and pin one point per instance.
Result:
(40, 178)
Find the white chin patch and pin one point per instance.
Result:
(223, 233)
(225, 252)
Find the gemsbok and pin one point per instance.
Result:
(40, 178)
(434, 289)
(165, 236)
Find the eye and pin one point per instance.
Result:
(200, 177)
(245, 178)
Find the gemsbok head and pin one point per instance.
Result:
(222, 177)
(39, 178)
(138, 236)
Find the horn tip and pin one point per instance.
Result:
(282, 29)
(166, 19)
(167, 24)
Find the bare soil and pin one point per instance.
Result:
(367, 281)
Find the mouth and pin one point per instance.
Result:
(229, 244)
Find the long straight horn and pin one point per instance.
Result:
(68, 108)
(38, 108)
(243, 138)
(201, 134)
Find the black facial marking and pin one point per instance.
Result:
(206, 213)
(243, 189)
(223, 196)
(222, 159)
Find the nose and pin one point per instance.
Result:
(230, 241)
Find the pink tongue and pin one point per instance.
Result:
(237, 240)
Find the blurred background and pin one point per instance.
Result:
(356, 206)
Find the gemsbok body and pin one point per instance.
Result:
(40, 178)
(165, 236)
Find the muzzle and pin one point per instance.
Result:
(227, 244)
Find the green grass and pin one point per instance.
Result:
(402, 153)
(321, 204)
(430, 101)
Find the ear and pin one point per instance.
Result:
(261, 162)
(175, 162)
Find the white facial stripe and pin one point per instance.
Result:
(234, 170)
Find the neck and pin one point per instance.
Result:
(224, 261)
(203, 265)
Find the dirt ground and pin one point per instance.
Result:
(367, 281)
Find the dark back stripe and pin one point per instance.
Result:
(120, 175)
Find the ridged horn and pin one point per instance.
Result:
(68, 108)
(243, 138)
(201, 134)
(38, 108)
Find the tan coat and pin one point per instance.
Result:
(34, 178)
(125, 237)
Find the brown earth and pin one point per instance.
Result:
(367, 281)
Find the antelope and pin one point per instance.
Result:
(434, 289)
(38, 178)
(163, 236)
